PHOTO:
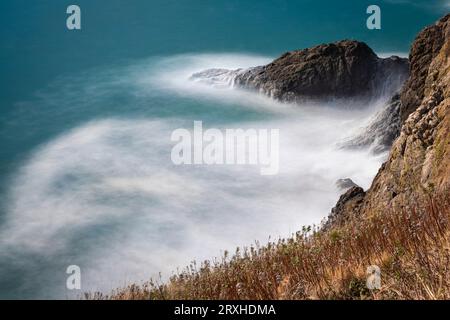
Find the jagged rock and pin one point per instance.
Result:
(216, 77)
(348, 204)
(382, 130)
(345, 184)
(425, 48)
(337, 70)
(344, 69)
(419, 160)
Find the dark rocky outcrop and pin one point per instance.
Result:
(425, 48)
(341, 70)
(381, 132)
(344, 69)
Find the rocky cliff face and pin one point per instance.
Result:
(419, 160)
(344, 69)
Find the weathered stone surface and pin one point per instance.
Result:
(343, 69)
(337, 70)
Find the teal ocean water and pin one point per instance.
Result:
(86, 118)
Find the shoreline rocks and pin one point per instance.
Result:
(419, 161)
(381, 132)
(345, 184)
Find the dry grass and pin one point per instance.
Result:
(411, 247)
